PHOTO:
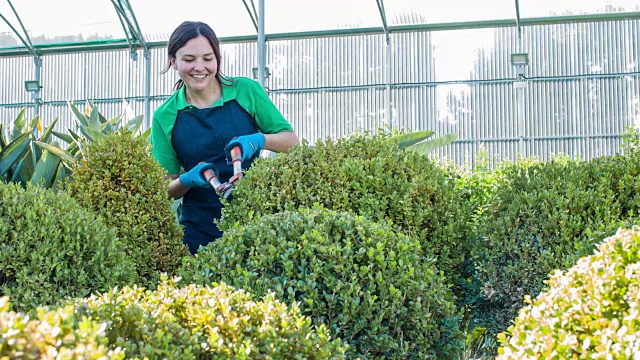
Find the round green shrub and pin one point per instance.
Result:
(367, 283)
(54, 334)
(368, 176)
(217, 322)
(544, 216)
(592, 311)
(119, 179)
(51, 248)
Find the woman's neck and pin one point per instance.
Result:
(205, 98)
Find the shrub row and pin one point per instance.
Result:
(544, 216)
(170, 323)
(591, 311)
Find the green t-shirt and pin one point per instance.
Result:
(248, 93)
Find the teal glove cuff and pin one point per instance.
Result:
(250, 145)
(195, 178)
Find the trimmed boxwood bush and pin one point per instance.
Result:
(368, 176)
(592, 311)
(118, 179)
(367, 283)
(217, 322)
(54, 334)
(50, 248)
(545, 216)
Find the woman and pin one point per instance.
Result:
(207, 115)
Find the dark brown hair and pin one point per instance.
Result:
(185, 32)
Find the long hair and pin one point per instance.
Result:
(185, 32)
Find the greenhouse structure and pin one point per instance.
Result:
(529, 77)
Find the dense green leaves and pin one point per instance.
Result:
(544, 216)
(54, 334)
(592, 311)
(366, 175)
(368, 284)
(119, 179)
(192, 322)
(51, 248)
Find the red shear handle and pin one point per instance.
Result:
(236, 158)
(212, 179)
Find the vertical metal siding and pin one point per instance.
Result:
(583, 87)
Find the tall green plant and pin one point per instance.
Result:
(28, 154)
(92, 126)
(26, 157)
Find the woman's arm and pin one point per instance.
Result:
(280, 142)
(176, 189)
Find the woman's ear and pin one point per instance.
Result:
(174, 66)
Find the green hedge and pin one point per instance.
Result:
(51, 248)
(118, 179)
(544, 216)
(54, 334)
(366, 175)
(193, 322)
(592, 311)
(367, 283)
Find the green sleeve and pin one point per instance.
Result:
(254, 99)
(161, 146)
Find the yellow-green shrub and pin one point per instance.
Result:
(591, 311)
(55, 334)
(51, 248)
(217, 322)
(118, 179)
(368, 284)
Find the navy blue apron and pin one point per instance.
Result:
(200, 135)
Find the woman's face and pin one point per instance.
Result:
(196, 64)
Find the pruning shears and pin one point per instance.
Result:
(225, 189)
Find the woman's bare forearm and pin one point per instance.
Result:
(280, 142)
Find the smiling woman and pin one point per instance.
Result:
(208, 115)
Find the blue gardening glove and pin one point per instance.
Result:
(250, 145)
(195, 178)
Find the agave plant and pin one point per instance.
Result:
(417, 141)
(25, 157)
(93, 126)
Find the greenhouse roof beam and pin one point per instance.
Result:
(518, 19)
(383, 16)
(25, 40)
(252, 13)
(116, 44)
(130, 24)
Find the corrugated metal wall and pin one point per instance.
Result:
(583, 86)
